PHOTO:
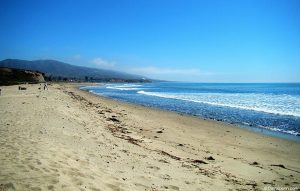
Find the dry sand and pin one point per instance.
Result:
(68, 139)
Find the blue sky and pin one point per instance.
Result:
(202, 41)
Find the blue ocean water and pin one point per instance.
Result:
(272, 108)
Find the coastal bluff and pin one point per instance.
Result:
(11, 76)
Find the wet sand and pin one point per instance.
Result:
(68, 139)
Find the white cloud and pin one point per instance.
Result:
(76, 57)
(167, 71)
(100, 62)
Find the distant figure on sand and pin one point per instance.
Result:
(45, 86)
(22, 88)
(0, 92)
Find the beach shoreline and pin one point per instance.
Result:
(252, 128)
(92, 142)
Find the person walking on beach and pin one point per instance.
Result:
(0, 92)
(45, 86)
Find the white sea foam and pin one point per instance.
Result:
(268, 103)
(125, 87)
(281, 130)
(87, 87)
(119, 88)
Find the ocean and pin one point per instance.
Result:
(269, 108)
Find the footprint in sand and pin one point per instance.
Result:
(77, 181)
(142, 186)
(94, 189)
(171, 187)
(165, 177)
(35, 189)
(154, 167)
(7, 187)
(116, 186)
(50, 187)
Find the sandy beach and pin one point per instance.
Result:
(69, 139)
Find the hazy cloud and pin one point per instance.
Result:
(169, 71)
(76, 57)
(100, 62)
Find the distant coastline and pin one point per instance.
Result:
(56, 71)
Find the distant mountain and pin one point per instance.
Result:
(56, 69)
(10, 76)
